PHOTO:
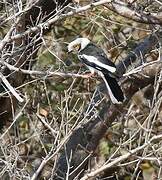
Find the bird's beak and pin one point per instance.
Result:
(69, 51)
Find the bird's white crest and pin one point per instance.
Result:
(83, 42)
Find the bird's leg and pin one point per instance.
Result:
(88, 75)
(91, 74)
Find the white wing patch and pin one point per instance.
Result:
(94, 60)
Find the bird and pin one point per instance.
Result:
(97, 62)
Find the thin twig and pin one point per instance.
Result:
(120, 7)
(15, 119)
(10, 88)
(139, 69)
(42, 73)
(121, 158)
(46, 124)
(50, 156)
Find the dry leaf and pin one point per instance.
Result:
(43, 112)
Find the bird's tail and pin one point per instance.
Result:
(115, 92)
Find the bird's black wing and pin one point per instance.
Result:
(88, 63)
(115, 92)
(97, 63)
(92, 50)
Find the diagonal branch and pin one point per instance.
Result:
(121, 158)
(125, 10)
(117, 6)
(10, 88)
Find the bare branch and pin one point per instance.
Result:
(42, 73)
(117, 6)
(124, 10)
(10, 88)
(121, 158)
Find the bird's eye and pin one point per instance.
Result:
(77, 47)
